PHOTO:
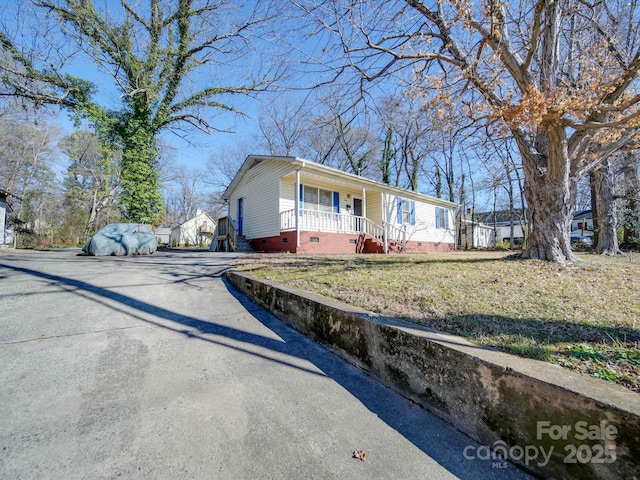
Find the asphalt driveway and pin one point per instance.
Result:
(153, 367)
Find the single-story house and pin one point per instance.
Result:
(6, 232)
(582, 221)
(299, 206)
(582, 227)
(197, 231)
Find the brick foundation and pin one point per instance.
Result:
(327, 243)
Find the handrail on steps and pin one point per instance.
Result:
(227, 229)
(345, 223)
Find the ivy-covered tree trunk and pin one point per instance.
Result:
(387, 153)
(140, 177)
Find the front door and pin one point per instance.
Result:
(357, 212)
(240, 202)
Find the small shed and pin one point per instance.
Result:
(476, 235)
(163, 234)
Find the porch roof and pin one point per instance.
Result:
(5, 194)
(334, 174)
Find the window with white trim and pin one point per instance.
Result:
(314, 198)
(406, 211)
(442, 218)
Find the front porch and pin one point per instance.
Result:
(330, 232)
(314, 231)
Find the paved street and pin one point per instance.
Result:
(153, 367)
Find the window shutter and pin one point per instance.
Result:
(336, 202)
(399, 211)
(300, 205)
(437, 217)
(446, 218)
(413, 212)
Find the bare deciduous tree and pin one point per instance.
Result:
(92, 179)
(284, 126)
(561, 76)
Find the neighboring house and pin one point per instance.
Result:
(6, 232)
(295, 205)
(502, 222)
(582, 227)
(197, 231)
(163, 234)
(582, 221)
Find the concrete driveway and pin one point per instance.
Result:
(153, 367)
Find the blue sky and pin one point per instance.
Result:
(194, 148)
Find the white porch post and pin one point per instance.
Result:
(383, 200)
(364, 202)
(296, 195)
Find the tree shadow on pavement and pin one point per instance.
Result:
(430, 434)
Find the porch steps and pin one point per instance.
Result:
(242, 245)
(375, 245)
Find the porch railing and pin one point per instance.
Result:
(316, 220)
(399, 235)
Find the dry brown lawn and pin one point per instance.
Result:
(585, 316)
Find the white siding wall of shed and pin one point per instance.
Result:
(260, 188)
(482, 236)
(504, 232)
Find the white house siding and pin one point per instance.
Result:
(380, 207)
(260, 189)
(584, 223)
(287, 193)
(424, 229)
(269, 188)
(374, 206)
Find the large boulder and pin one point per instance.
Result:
(122, 239)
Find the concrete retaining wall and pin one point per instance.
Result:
(554, 422)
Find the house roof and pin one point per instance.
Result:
(582, 215)
(476, 223)
(195, 217)
(317, 168)
(501, 216)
